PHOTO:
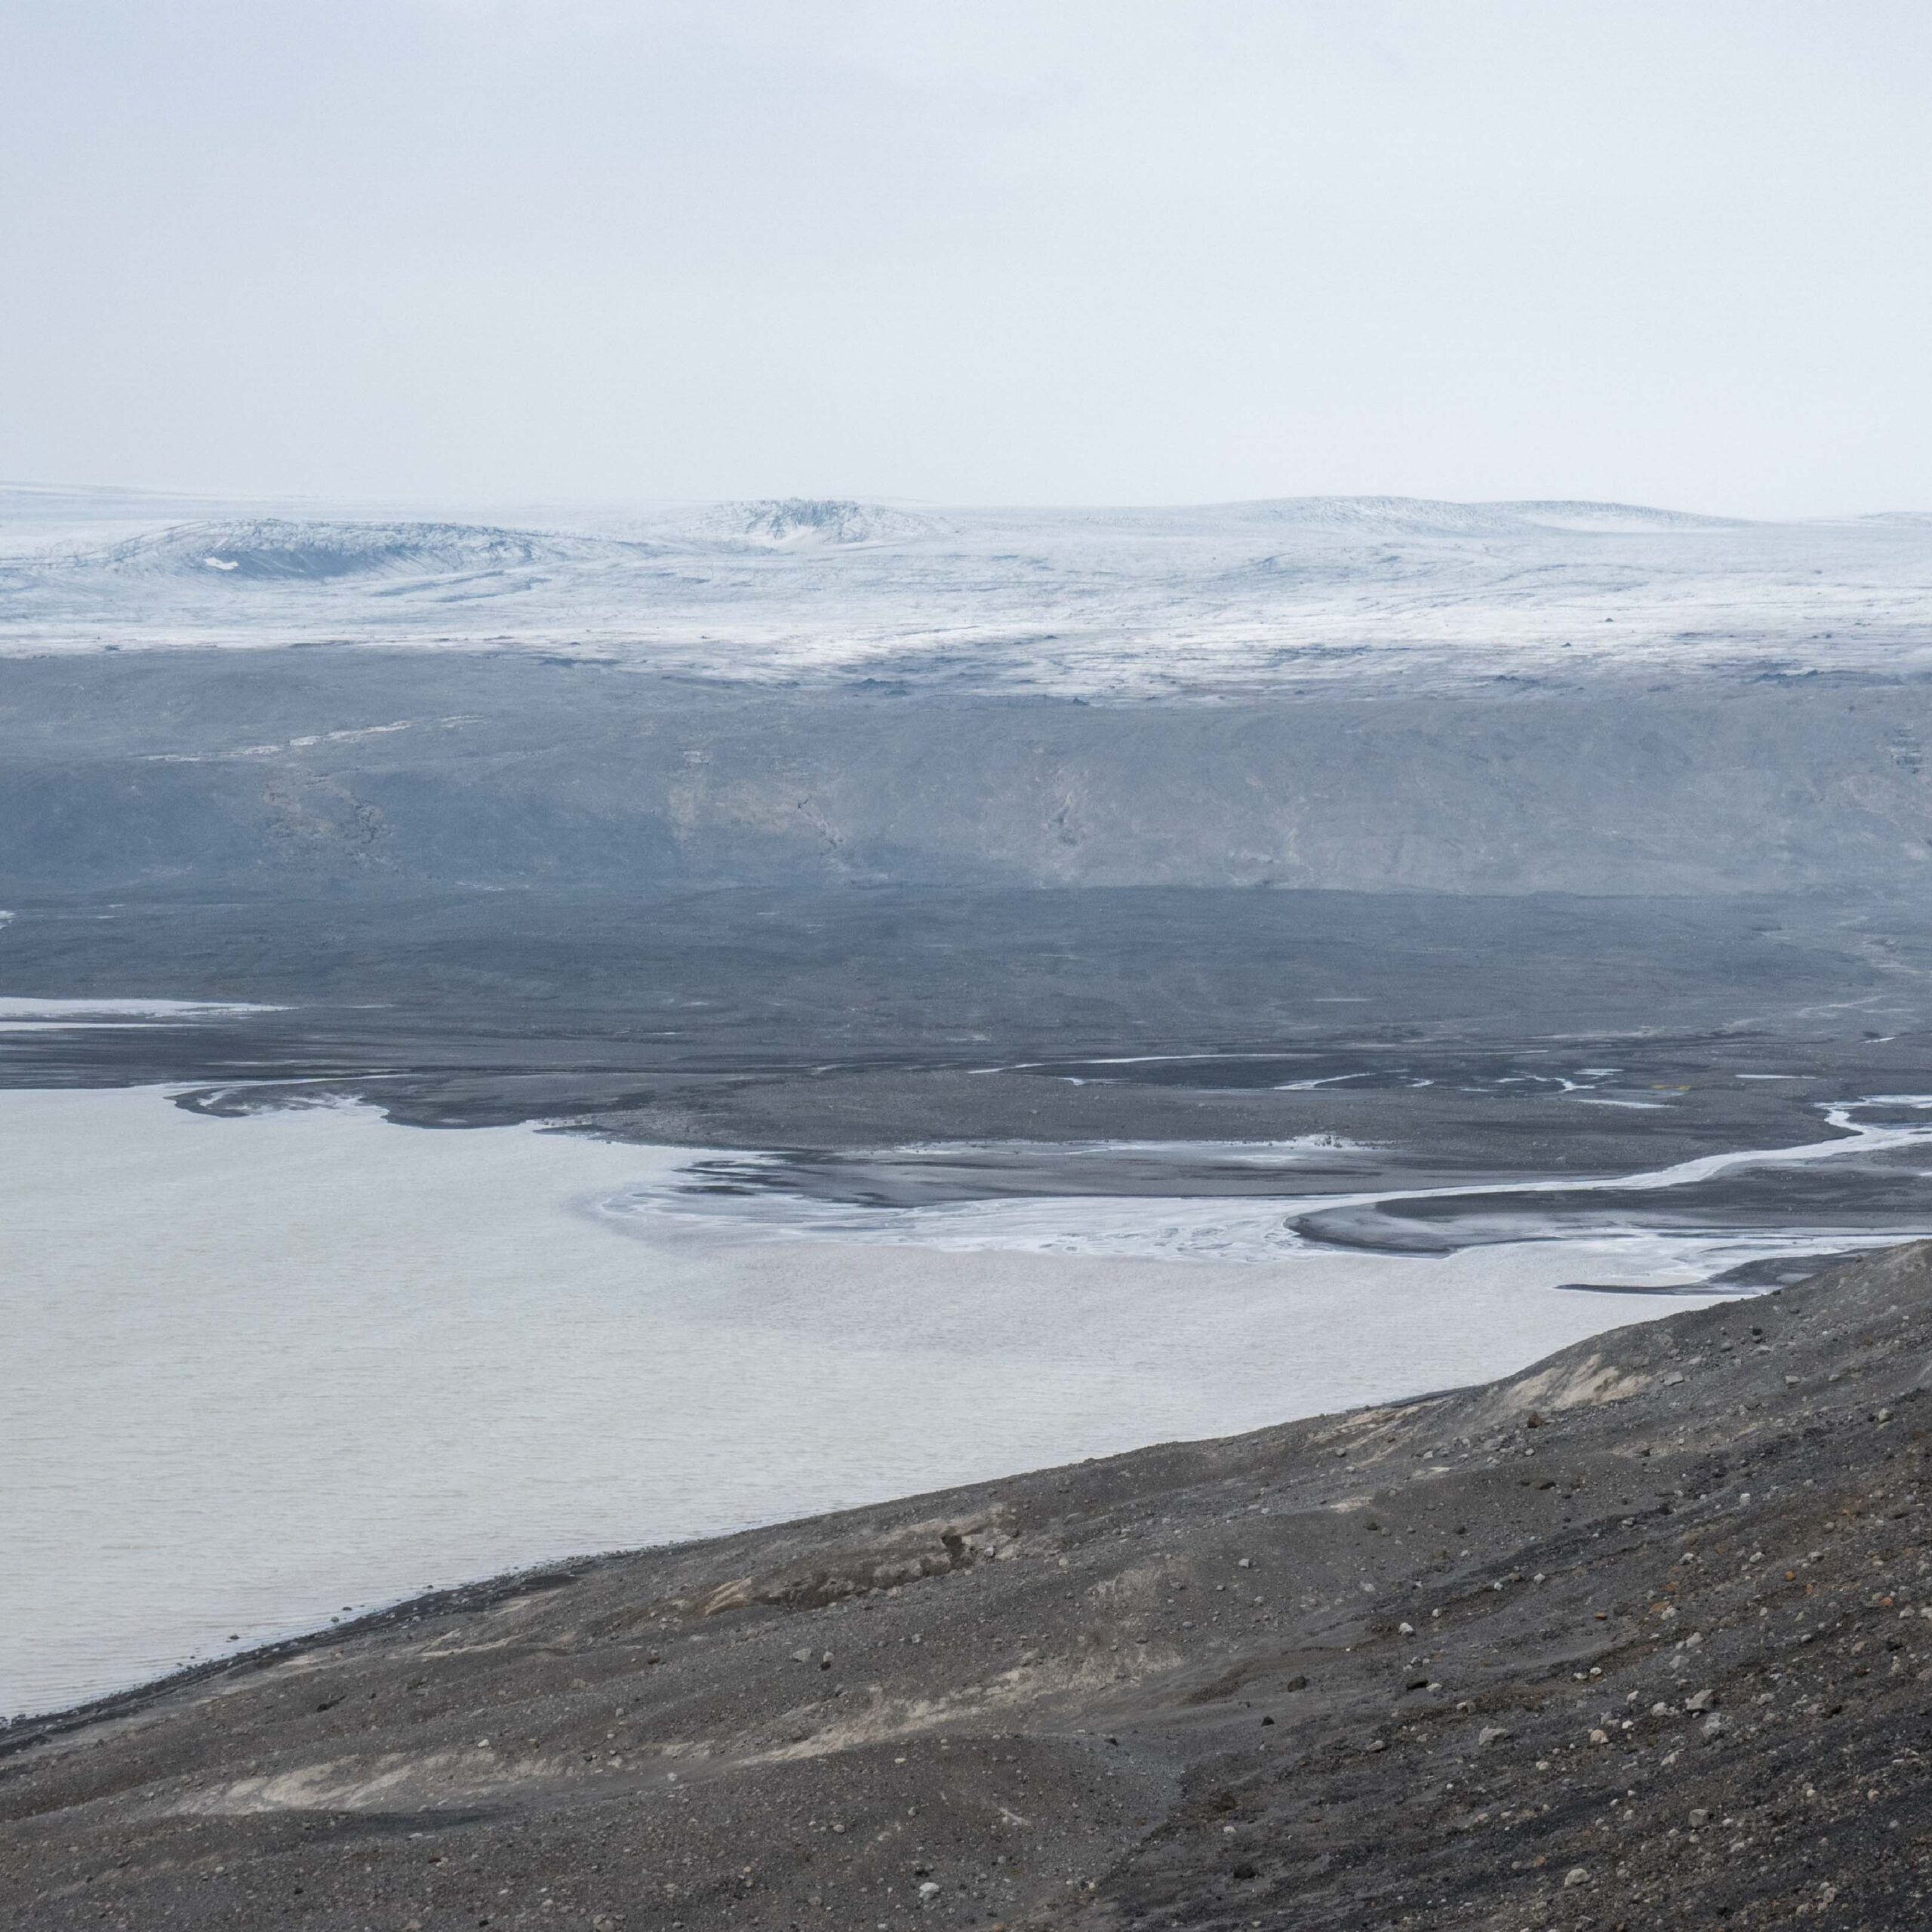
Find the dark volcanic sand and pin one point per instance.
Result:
(1437, 1033)
(1640, 1637)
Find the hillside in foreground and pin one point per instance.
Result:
(1642, 1636)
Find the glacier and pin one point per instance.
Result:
(1213, 602)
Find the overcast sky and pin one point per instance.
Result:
(1676, 251)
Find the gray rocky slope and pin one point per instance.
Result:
(1640, 1637)
(292, 774)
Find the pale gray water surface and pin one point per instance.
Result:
(262, 1370)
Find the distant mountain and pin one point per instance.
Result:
(1561, 515)
(1422, 516)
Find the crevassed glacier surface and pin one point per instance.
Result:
(1220, 599)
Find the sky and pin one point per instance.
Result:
(1062, 251)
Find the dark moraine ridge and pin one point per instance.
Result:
(1640, 1637)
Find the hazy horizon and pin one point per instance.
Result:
(565, 502)
(492, 251)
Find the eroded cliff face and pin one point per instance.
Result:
(1642, 1636)
(294, 771)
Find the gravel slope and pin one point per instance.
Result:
(1640, 1637)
